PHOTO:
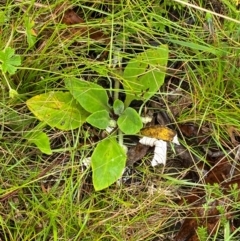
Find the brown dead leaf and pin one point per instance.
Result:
(199, 216)
(70, 17)
(189, 130)
(233, 133)
(181, 104)
(136, 153)
(202, 217)
(219, 172)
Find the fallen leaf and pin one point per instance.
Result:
(70, 17)
(189, 130)
(211, 216)
(136, 153)
(233, 134)
(203, 217)
(181, 104)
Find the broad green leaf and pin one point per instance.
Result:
(99, 119)
(92, 97)
(58, 109)
(145, 74)
(108, 162)
(41, 140)
(118, 107)
(9, 60)
(130, 122)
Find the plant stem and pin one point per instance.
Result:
(116, 89)
(7, 82)
(115, 97)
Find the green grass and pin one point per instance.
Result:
(51, 197)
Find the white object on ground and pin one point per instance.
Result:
(117, 58)
(175, 140)
(160, 151)
(111, 126)
(86, 161)
(109, 129)
(146, 119)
